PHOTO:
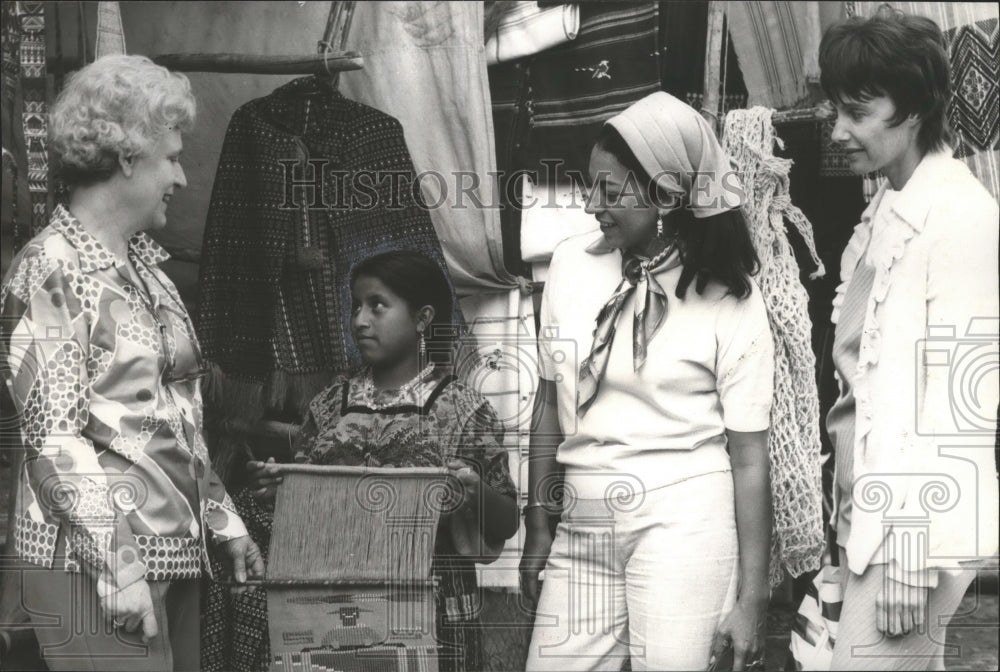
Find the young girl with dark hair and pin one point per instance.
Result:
(657, 367)
(405, 408)
(919, 278)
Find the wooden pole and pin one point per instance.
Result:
(252, 64)
(713, 65)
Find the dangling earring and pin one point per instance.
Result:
(659, 226)
(422, 349)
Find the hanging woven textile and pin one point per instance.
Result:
(10, 42)
(794, 443)
(35, 116)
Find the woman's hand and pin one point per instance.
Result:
(263, 479)
(246, 558)
(537, 546)
(745, 628)
(900, 608)
(131, 608)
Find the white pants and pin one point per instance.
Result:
(651, 579)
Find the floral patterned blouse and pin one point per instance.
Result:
(438, 419)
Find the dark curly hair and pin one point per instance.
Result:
(896, 55)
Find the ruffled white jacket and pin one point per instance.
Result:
(926, 386)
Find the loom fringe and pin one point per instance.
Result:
(230, 397)
(794, 444)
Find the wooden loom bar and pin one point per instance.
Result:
(395, 472)
(351, 583)
(251, 64)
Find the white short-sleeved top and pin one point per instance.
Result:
(709, 368)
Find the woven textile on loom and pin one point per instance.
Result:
(794, 443)
(274, 313)
(360, 578)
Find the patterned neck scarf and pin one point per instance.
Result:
(650, 308)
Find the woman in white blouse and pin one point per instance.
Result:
(657, 366)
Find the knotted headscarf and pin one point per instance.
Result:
(679, 150)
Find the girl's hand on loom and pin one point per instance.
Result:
(263, 479)
(469, 485)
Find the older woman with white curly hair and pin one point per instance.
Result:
(116, 494)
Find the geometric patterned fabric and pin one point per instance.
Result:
(974, 112)
(34, 115)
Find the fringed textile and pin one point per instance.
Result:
(794, 443)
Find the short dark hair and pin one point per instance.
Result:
(716, 247)
(896, 55)
(419, 281)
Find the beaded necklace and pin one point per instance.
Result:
(402, 395)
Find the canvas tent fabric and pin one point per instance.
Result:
(777, 44)
(425, 65)
(110, 34)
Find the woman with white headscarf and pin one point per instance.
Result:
(657, 367)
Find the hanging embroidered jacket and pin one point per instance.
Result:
(309, 183)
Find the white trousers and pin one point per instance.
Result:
(651, 579)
